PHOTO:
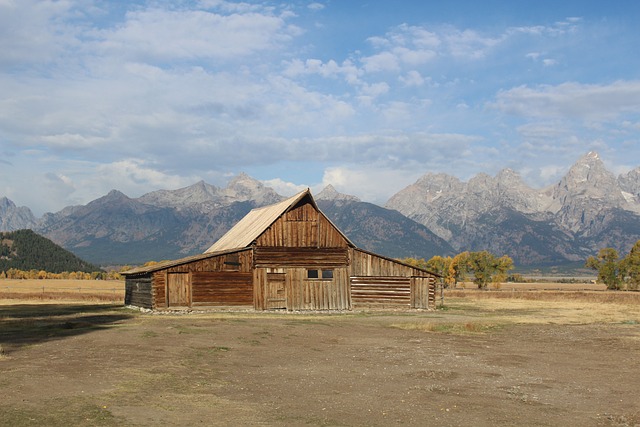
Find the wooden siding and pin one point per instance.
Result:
(387, 291)
(367, 264)
(423, 292)
(301, 257)
(179, 289)
(236, 261)
(159, 289)
(301, 293)
(138, 291)
(302, 226)
(222, 288)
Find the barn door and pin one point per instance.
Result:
(276, 296)
(179, 289)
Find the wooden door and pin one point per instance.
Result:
(178, 290)
(276, 295)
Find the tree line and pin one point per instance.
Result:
(616, 272)
(14, 273)
(483, 267)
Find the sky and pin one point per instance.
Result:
(365, 95)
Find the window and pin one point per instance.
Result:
(232, 262)
(327, 274)
(320, 274)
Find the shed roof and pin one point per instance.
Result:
(258, 220)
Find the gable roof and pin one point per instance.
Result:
(259, 220)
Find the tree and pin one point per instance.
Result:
(631, 267)
(608, 266)
(488, 268)
(459, 267)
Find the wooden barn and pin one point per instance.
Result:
(286, 256)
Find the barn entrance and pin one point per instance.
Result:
(178, 290)
(276, 296)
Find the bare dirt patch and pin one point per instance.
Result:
(476, 362)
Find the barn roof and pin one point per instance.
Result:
(258, 220)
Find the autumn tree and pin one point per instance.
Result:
(459, 267)
(631, 267)
(609, 268)
(487, 268)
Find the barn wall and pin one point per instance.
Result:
(301, 257)
(381, 291)
(237, 261)
(138, 291)
(423, 292)
(222, 288)
(206, 288)
(302, 226)
(380, 281)
(159, 290)
(300, 292)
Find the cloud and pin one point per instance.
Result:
(316, 6)
(284, 188)
(597, 102)
(159, 35)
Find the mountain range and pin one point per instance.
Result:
(589, 208)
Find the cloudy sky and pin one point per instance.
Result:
(366, 95)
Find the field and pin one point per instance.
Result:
(67, 290)
(546, 358)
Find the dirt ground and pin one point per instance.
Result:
(474, 363)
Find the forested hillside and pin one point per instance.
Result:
(26, 250)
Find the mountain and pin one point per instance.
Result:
(380, 230)
(588, 209)
(116, 229)
(204, 197)
(13, 217)
(25, 250)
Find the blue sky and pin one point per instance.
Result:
(365, 95)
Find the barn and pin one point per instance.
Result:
(286, 256)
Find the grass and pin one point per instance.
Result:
(62, 290)
(465, 328)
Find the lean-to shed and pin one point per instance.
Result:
(284, 256)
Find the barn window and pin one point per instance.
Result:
(320, 274)
(327, 274)
(232, 262)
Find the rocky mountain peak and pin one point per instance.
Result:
(630, 186)
(243, 188)
(330, 193)
(187, 197)
(588, 178)
(13, 217)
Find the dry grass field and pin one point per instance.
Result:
(67, 290)
(547, 358)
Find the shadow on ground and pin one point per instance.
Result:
(24, 324)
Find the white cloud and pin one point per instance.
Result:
(412, 78)
(160, 35)
(284, 188)
(598, 102)
(369, 183)
(316, 6)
